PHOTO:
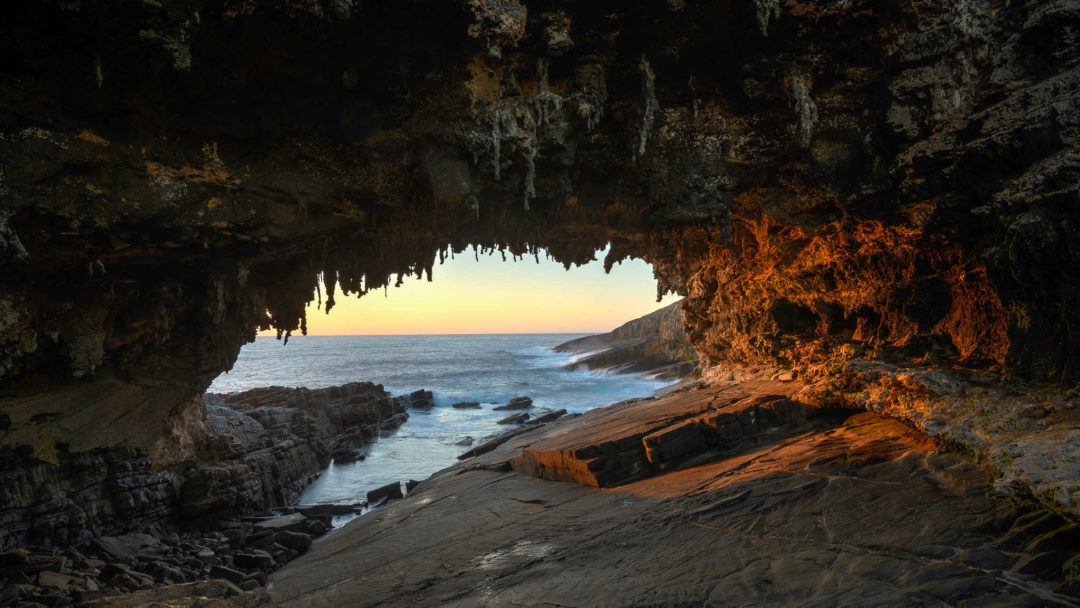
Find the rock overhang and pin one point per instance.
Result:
(815, 179)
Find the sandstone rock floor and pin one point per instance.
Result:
(731, 496)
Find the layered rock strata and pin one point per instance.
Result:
(261, 449)
(268, 444)
(655, 344)
(782, 507)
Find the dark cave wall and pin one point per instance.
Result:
(896, 179)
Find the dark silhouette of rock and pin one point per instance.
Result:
(521, 418)
(421, 399)
(467, 405)
(517, 403)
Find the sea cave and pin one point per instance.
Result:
(869, 211)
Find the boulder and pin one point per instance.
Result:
(254, 559)
(316, 528)
(465, 441)
(344, 455)
(421, 399)
(297, 541)
(517, 403)
(467, 405)
(390, 491)
(55, 580)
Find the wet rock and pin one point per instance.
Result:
(421, 399)
(344, 455)
(467, 405)
(549, 417)
(494, 442)
(521, 418)
(410, 485)
(390, 491)
(517, 403)
(464, 441)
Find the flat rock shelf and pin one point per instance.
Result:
(736, 495)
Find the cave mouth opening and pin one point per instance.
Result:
(474, 298)
(397, 385)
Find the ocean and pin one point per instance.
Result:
(490, 369)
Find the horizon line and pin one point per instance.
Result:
(489, 333)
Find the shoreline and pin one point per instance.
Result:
(247, 432)
(776, 410)
(885, 469)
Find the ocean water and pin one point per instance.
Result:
(490, 369)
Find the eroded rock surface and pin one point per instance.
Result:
(295, 433)
(829, 510)
(261, 449)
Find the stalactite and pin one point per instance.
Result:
(767, 10)
(648, 88)
(547, 104)
(806, 110)
(530, 168)
(496, 138)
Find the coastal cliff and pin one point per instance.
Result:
(655, 344)
(878, 200)
(261, 448)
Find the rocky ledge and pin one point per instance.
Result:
(655, 343)
(126, 535)
(733, 493)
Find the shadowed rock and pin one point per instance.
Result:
(517, 403)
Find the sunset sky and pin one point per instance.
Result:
(492, 296)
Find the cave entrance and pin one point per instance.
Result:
(491, 344)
